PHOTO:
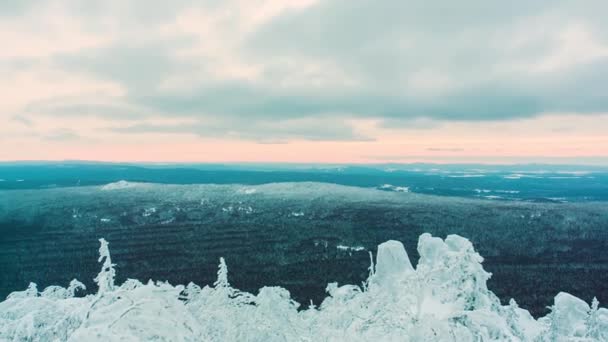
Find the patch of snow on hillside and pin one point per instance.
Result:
(391, 187)
(247, 191)
(122, 184)
(507, 191)
(467, 176)
(522, 175)
(246, 209)
(575, 173)
(148, 212)
(482, 191)
(350, 248)
(444, 298)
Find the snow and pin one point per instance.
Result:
(394, 188)
(247, 191)
(245, 209)
(467, 176)
(122, 184)
(296, 214)
(573, 312)
(482, 190)
(536, 214)
(349, 249)
(575, 173)
(444, 298)
(507, 191)
(148, 212)
(487, 191)
(530, 174)
(392, 264)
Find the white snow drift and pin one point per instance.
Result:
(444, 298)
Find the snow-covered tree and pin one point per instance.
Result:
(105, 278)
(445, 298)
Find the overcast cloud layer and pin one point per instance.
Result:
(274, 71)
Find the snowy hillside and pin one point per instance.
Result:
(444, 298)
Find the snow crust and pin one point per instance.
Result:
(444, 298)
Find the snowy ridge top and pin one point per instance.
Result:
(444, 298)
(306, 187)
(122, 184)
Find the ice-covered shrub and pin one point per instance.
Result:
(445, 298)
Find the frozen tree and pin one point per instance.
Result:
(222, 275)
(593, 329)
(105, 278)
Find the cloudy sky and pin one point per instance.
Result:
(304, 80)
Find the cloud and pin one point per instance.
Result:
(62, 135)
(261, 132)
(85, 106)
(139, 67)
(20, 119)
(14, 7)
(266, 72)
(411, 59)
(445, 149)
(504, 160)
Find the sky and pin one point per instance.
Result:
(319, 81)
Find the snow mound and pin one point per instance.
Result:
(445, 298)
(122, 184)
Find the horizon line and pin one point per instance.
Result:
(388, 162)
